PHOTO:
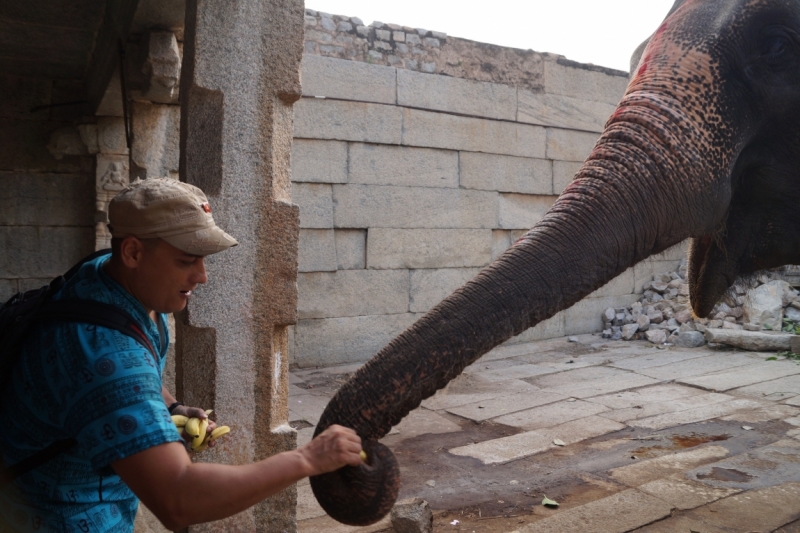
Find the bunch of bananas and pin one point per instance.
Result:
(196, 428)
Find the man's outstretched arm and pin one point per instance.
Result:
(181, 493)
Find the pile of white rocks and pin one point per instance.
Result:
(663, 314)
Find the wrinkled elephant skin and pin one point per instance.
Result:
(705, 143)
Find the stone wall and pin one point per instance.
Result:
(418, 158)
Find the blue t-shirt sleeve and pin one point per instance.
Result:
(119, 410)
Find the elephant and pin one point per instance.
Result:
(704, 144)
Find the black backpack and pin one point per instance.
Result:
(17, 317)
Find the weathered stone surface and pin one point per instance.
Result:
(429, 287)
(550, 415)
(24, 145)
(316, 204)
(495, 407)
(319, 161)
(316, 118)
(377, 164)
(763, 306)
(744, 375)
(471, 388)
(644, 270)
(522, 211)
(697, 366)
(629, 330)
(111, 136)
(493, 172)
(562, 111)
(757, 341)
(333, 341)
(156, 138)
(621, 512)
(621, 285)
(46, 199)
(413, 516)
(690, 416)
(439, 130)
(42, 251)
(547, 329)
(649, 470)
(569, 145)
(369, 206)
(776, 507)
(584, 316)
(348, 80)
(583, 83)
(649, 395)
(431, 248)
(352, 293)
(794, 344)
(690, 339)
(503, 239)
(351, 248)
(563, 173)
(421, 421)
(162, 67)
(456, 95)
(316, 251)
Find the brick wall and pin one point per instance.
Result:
(410, 176)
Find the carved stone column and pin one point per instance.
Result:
(239, 79)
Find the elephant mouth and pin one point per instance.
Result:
(710, 273)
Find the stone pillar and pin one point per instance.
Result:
(239, 79)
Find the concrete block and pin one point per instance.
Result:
(698, 366)
(439, 130)
(744, 375)
(316, 204)
(333, 341)
(456, 95)
(491, 172)
(316, 161)
(550, 415)
(352, 293)
(351, 248)
(429, 287)
(547, 329)
(562, 111)
(402, 166)
(660, 467)
(46, 199)
(42, 252)
(584, 316)
(502, 239)
(758, 341)
(584, 84)
(522, 211)
(428, 248)
(690, 416)
(563, 173)
(569, 145)
(348, 80)
(369, 206)
(8, 288)
(316, 251)
(621, 512)
(619, 286)
(316, 118)
(496, 407)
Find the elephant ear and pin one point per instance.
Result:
(637, 54)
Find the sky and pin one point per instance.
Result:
(603, 32)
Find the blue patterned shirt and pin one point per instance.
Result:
(93, 384)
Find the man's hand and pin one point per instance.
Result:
(195, 412)
(332, 449)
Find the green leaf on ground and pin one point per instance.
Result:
(547, 502)
(772, 358)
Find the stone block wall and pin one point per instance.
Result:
(419, 158)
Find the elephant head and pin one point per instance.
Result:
(705, 143)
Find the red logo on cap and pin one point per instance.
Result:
(206, 208)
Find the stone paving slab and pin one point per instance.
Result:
(698, 366)
(422, 421)
(760, 468)
(507, 449)
(329, 525)
(684, 494)
(484, 410)
(550, 415)
(756, 510)
(764, 414)
(516, 372)
(649, 470)
(307, 407)
(646, 395)
(658, 358)
(744, 376)
(775, 390)
(618, 513)
(680, 524)
(591, 381)
(652, 410)
(467, 389)
(793, 401)
(706, 412)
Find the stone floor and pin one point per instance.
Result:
(649, 440)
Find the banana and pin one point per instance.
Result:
(363, 455)
(201, 448)
(179, 420)
(192, 427)
(220, 431)
(209, 411)
(201, 435)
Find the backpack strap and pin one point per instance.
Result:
(88, 312)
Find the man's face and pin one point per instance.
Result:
(165, 277)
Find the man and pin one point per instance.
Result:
(104, 389)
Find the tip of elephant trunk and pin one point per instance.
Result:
(360, 495)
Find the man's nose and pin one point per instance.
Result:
(199, 275)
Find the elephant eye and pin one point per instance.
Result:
(776, 50)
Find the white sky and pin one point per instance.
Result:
(603, 32)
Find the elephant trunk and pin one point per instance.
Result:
(609, 218)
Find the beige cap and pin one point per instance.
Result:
(171, 210)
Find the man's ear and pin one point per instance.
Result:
(131, 250)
